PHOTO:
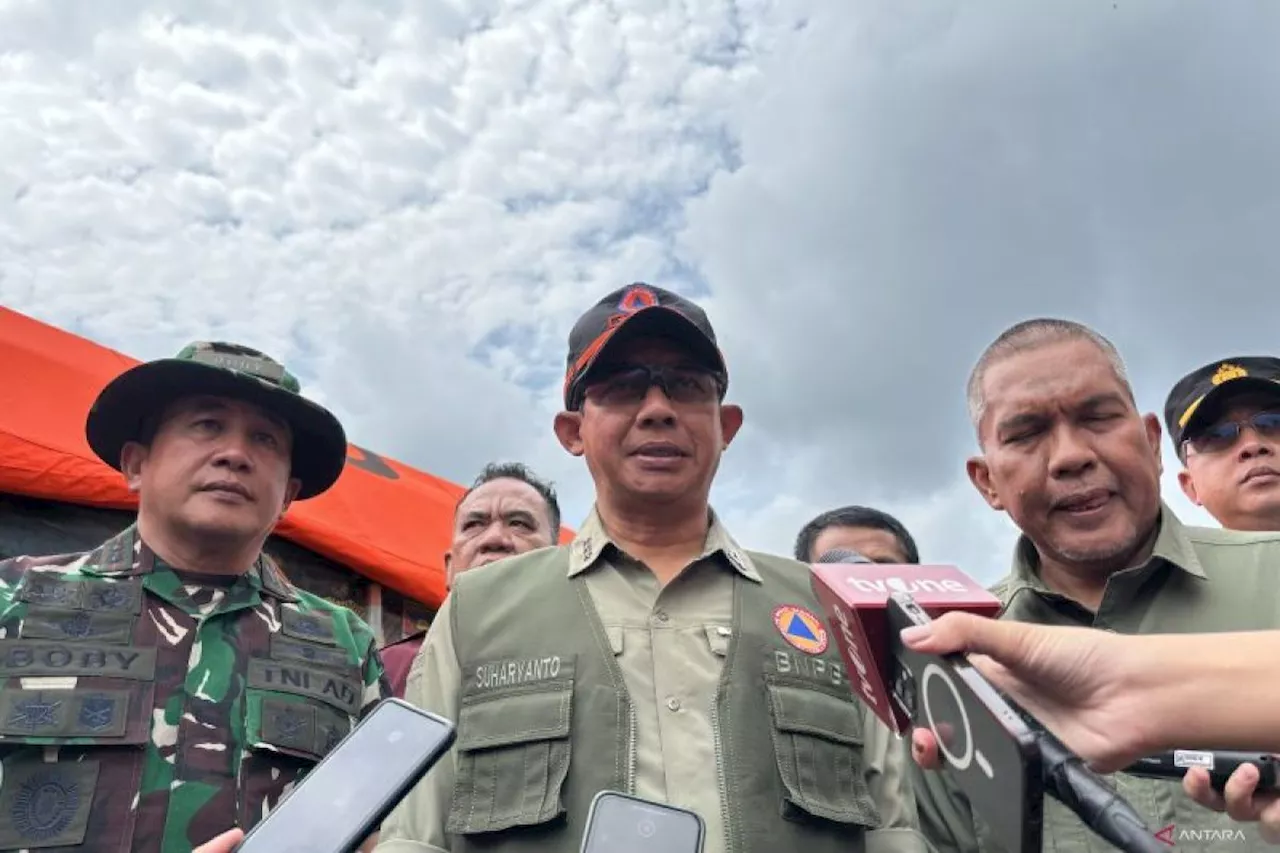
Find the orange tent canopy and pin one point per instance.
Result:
(386, 520)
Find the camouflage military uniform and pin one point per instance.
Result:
(141, 713)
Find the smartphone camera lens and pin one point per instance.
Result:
(646, 828)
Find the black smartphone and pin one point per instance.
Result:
(345, 798)
(620, 823)
(985, 744)
(1220, 763)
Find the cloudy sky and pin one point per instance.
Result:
(411, 200)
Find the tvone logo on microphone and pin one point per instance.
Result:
(854, 648)
(884, 586)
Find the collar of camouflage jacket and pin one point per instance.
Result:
(126, 555)
(1172, 546)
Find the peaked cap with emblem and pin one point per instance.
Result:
(220, 369)
(636, 311)
(1200, 394)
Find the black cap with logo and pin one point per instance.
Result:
(637, 310)
(1199, 396)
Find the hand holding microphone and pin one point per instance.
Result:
(1078, 682)
(1114, 699)
(1001, 757)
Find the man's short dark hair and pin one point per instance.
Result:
(855, 516)
(517, 471)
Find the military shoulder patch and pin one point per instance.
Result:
(801, 628)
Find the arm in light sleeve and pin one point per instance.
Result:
(416, 825)
(887, 763)
(946, 818)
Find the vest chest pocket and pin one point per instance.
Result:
(818, 741)
(512, 759)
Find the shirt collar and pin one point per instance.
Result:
(1172, 546)
(592, 542)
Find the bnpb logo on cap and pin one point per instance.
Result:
(636, 298)
(801, 628)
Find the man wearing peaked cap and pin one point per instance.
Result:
(653, 654)
(150, 693)
(1224, 421)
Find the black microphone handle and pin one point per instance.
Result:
(1095, 802)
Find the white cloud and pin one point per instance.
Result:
(412, 201)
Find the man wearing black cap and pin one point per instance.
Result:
(651, 655)
(172, 684)
(1224, 421)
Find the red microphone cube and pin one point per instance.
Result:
(854, 597)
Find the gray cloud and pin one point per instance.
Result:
(412, 203)
(917, 179)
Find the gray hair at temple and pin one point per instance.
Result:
(1031, 335)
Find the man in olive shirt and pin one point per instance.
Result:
(1068, 456)
(652, 655)
(1224, 421)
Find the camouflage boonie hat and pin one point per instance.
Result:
(220, 369)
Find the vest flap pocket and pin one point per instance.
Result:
(85, 715)
(818, 741)
(293, 725)
(805, 711)
(512, 759)
(514, 719)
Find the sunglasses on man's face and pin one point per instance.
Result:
(1221, 436)
(627, 385)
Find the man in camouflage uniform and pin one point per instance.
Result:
(172, 684)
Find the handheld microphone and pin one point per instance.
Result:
(853, 592)
(1220, 763)
(1096, 803)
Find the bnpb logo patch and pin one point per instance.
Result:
(801, 628)
(635, 298)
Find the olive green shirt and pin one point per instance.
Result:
(671, 643)
(1197, 580)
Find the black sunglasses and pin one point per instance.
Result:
(627, 385)
(1221, 436)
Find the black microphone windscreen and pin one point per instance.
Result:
(842, 555)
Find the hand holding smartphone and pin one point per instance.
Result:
(345, 798)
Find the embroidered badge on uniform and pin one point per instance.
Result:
(310, 626)
(97, 712)
(635, 298)
(78, 625)
(329, 737)
(290, 723)
(44, 807)
(111, 597)
(801, 628)
(35, 714)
